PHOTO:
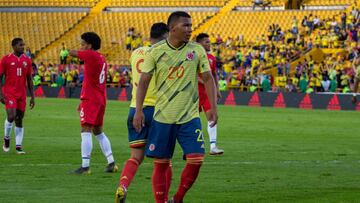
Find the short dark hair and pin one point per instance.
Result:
(158, 30)
(15, 41)
(176, 15)
(93, 39)
(201, 36)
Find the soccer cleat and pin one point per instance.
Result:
(82, 170)
(173, 201)
(6, 145)
(19, 150)
(111, 168)
(120, 195)
(216, 151)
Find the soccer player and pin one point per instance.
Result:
(93, 101)
(204, 103)
(175, 64)
(159, 31)
(17, 69)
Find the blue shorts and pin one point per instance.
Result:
(162, 139)
(139, 139)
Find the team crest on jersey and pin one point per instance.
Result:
(152, 147)
(11, 102)
(190, 56)
(13, 63)
(25, 64)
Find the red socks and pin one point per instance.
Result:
(129, 172)
(159, 180)
(168, 180)
(189, 175)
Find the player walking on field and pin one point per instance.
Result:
(137, 140)
(204, 103)
(17, 69)
(93, 101)
(175, 64)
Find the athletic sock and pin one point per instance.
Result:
(7, 129)
(168, 180)
(212, 131)
(129, 171)
(105, 146)
(189, 175)
(159, 180)
(19, 135)
(86, 148)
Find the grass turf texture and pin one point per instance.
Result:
(271, 155)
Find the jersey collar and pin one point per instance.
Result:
(172, 47)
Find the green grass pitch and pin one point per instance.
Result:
(271, 155)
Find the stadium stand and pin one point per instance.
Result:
(168, 3)
(113, 26)
(327, 2)
(236, 33)
(37, 29)
(48, 3)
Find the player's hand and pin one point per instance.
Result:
(32, 103)
(139, 121)
(213, 117)
(353, 99)
(2, 99)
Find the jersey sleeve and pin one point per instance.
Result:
(2, 66)
(213, 65)
(149, 64)
(29, 68)
(84, 55)
(204, 65)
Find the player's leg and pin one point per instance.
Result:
(19, 130)
(191, 139)
(212, 131)
(161, 144)
(87, 121)
(10, 117)
(105, 146)
(137, 143)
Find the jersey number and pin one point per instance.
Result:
(18, 71)
(200, 136)
(102, 74)
(177, 72)
(138, 65)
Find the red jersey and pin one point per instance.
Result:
(95, 70)
(15, 69)
(212, 61)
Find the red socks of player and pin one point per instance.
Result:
(159, 182)
(189, 175)
(129, 172)
(168, 179)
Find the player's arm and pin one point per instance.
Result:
(73, 53)
(216, 80)
(210, 91)
(145, 78)
(206, 76)
(2, 70)
(139, 118)
(30, 86)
